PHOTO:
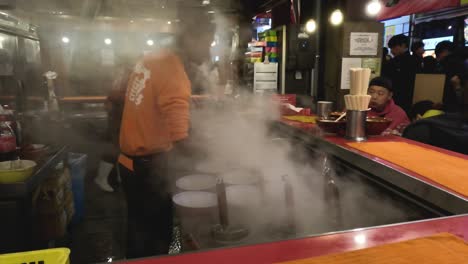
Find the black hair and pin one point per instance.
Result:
(398, 40)
(382, 82)
(417, 45)
(444, 46)
(420, 108)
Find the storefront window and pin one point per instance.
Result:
(396, 26)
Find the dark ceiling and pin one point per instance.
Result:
(157, 9)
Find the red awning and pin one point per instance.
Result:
(407, 7)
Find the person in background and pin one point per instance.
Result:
(385, 59)
(114, 107)
(155, 121)
(401, 71)
(417, 48)
(450, 64)
(430, 64)
(382, 105)
(424, 109)
(448, 131)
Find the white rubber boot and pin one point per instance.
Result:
(103, 173)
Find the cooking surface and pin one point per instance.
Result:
(318, 206)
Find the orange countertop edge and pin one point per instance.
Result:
(342, 142)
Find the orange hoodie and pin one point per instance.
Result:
(156, 111)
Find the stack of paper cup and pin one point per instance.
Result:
(358, 98)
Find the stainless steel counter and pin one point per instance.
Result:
(396, 179)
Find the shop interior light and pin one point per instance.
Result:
(206, 2)
(169, 22)
(449, 27)
(336, 17)
(311, 26)
(150, 42)
(65, 40)
(373, 7)
(108, 41)
(213, 43)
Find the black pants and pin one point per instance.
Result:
(149, 206)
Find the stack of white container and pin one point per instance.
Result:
(358, 99)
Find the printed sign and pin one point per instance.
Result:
(364, 44)
(346, 65)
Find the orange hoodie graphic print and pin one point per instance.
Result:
(156, 111)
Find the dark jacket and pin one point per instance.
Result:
(402, 72)
(449, 131)
(452, 66)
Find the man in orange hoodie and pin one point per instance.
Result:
(155, 119)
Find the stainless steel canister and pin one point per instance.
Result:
(324, 108)
(356, 125)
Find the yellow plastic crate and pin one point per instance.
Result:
(47, 256)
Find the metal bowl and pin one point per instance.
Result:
(377, 125)
(16, 170)
(332, 127)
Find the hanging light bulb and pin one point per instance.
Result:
(373, 7)
(336, 17)
(311, 26)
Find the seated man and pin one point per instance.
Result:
(382, 105)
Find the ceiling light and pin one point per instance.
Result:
(65, 40)
(449, 27)
(150, 42)
(211, 12)
(336, 17)
(108, 41)
(169, 22)
(131, 21)
(206, 2)
(311, 26)
(213, 43)
(373, 7)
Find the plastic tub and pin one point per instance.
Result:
(48, 256)
(16, 171)
(197, 182)
(197, 211)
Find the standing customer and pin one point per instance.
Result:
(451, 64)
(155, 120)
(417, 48)
(401, 71)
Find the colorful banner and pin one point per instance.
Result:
(408, 7)
(389, 33)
